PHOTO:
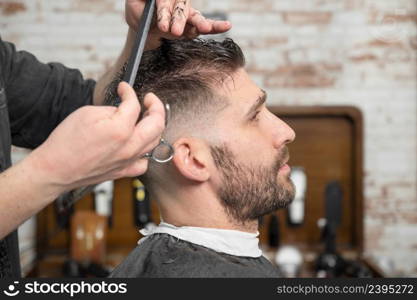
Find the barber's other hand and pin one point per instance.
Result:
(174, 19)
(98, 143)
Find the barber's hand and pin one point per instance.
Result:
(174, 19)
(98, 143)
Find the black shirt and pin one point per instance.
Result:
(34, 98)
(162, 255)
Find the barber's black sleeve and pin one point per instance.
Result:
(39, 96)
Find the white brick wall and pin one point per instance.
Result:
(363, 53)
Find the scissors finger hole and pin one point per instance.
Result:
(162, 153)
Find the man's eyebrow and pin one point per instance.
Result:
(258, 103)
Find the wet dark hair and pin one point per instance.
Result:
(185, 73)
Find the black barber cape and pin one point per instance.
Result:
(34, 99)
(164, 255)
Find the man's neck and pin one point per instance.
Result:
(197, 208)
(251, 227)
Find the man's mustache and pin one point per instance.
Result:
(282, 158)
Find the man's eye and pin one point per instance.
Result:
(255, 117)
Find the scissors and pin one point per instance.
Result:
(163, 152)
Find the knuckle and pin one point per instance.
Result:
(120, 133)
(128, 153)
(86, 108)
(125, 155)
(119, 136)
(160, 126)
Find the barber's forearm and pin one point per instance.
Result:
(24, 191)
(104, 81)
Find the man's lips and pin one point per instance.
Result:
(284, 167)
(285, 162)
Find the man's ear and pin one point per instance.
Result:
(191, 159)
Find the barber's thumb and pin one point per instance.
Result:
(129, 106)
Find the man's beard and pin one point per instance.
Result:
(248, 193)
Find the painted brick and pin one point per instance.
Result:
(307, 17)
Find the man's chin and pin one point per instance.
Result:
(285, 181)
(288, 190)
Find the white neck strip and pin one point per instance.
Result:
(233, 242)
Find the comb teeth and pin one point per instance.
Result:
(139, 45)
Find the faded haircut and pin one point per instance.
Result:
(185, 74)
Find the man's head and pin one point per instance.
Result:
(226, 141)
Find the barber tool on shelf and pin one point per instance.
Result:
(288, 258)
(289, 261)
(330, 264)
(273, 232)
(141, 203)
(88, 246)
(295, 211)
(103, 200)
(63, 212)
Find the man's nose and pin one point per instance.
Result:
(285, 134)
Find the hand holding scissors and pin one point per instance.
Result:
(164, 151)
